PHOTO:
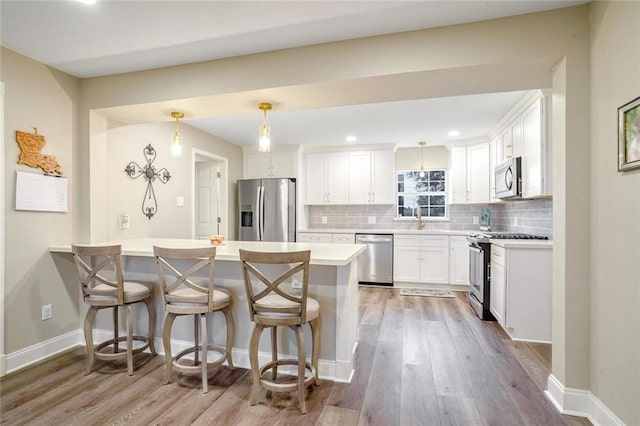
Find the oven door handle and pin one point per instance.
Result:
(475, 249)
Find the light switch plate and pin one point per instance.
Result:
(372, 219)
(180, 202)
(324, 219)
(124, 222)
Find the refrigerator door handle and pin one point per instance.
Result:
(260, 213)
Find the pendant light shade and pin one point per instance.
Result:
(422, 172)
(176, 139)
(264, 132)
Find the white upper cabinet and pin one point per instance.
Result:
(478, 173)
(523, 134)
(350, 177)
(469, 174)
(325, 177)
(532, 151)
(458, 174)
(496, 156)
(371, 177)
(359, 177)
(276, 164)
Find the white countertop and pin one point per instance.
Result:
(387, 231)
(321, 254)
(541, 244)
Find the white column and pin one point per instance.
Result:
(2, 355)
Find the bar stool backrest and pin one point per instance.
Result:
(103, 283)
(268, 299)
(177, 269)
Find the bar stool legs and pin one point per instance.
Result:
(302, 381)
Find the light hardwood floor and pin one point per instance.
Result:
(420, 361)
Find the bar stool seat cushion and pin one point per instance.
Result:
(188, 295)
(276, 301)
(132, 290)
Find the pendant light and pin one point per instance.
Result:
(264, 133)
(176, 139)
(422, 172)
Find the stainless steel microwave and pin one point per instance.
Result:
(508, 179)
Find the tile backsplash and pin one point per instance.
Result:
(530, 216)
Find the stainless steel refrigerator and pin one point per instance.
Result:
(267, 209)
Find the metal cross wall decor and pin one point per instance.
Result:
(149, 203)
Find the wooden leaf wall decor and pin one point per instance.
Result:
(31, 145)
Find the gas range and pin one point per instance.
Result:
(486, 236)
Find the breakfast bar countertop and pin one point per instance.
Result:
(321, 254)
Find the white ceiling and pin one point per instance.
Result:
(120, 36)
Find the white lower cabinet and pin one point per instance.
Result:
(314, 237)
(497, 285)
(325, 237)
(406, 263)
(343, 238)
(521, 280)
(459, 260)
(422, 259)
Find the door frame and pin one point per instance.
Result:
(2, 224)
(198, 155)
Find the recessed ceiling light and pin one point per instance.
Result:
(351, 138)
(454, 133)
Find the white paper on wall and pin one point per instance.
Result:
(38, 192)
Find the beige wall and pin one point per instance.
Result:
(435, 157)
(37, 96)
(125, 195)
(615, 206)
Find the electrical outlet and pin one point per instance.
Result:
(179, 201)
(372, 219)
(324, 219)
(47, 312)
(476, 220)
(296, 284)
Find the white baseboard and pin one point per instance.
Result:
(582, 403)
(327, 370)
(3, 365)
(38, 352)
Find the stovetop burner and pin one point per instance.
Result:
(506, 236)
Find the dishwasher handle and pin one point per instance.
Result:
(373, 238)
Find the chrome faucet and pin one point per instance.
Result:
(419, 216)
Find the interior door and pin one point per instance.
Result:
(207, 199)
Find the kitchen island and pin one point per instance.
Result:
(332, 281)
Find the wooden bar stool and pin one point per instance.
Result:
(271, 306)
(103, 286)
(185, 294)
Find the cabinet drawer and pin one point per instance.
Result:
(497, 255)
(314, 238)
(343, 238)
(434, 241)
(407, 240)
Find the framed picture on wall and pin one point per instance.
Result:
(629, 136)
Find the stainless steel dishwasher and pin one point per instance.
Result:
(375, 265)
